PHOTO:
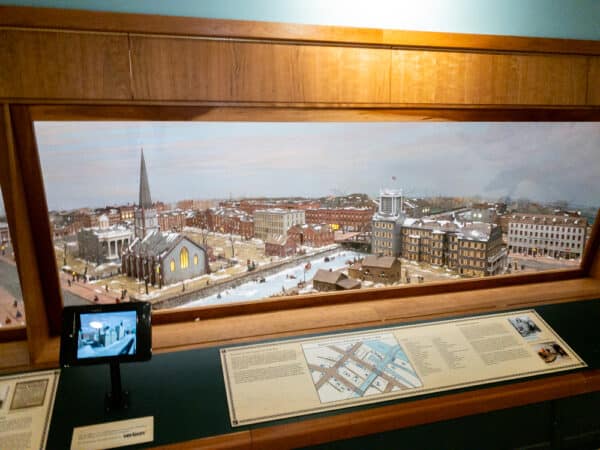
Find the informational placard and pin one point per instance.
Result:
(114, 434)
(309, 375)
(26, 403)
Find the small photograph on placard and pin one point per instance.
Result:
(4, 389)
(551, 352)
(526, 327)
(29, 394)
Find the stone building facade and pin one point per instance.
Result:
(276, 221)
(103, 243)
(470, 248)
(558, 236)
(386, 224)
(165, 258)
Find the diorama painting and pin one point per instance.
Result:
(204, 213)
(12, 309)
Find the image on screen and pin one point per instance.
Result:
(107, 334)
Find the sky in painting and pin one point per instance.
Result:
(91, 164)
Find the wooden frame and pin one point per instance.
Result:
(107, 80)
(25, 152)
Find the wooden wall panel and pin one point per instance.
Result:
(195, 69)
(50, 64)
(594, 81)
(482, 78)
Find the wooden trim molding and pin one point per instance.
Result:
(72, 19)
(302, 112)
(38, 255)
(400, 415)
(590, 262)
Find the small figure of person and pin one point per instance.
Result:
(8, 321)
(15, 304)
(106, 287)
(19, 314)
(117, 300)
(96, 298)
(69, 283)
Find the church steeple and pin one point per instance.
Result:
(146, 218)
(145, 199)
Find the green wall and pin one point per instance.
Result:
(577, 19)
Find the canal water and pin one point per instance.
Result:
(273, 284)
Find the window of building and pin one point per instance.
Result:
(184, 258)
(172, 265)
(195, 260)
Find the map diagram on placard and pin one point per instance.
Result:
(359, 367)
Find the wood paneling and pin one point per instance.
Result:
(590, 263)
(240, 440)
(195, 69)
(309, 432)
(481, 78)
(594, 81)
(43, 310)
(257, 113)
(17, 16)
(15, 355)
(314, 431)
(49, 64)
(22, 237)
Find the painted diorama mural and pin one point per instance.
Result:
(241, 211)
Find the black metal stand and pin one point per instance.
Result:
(117, 399)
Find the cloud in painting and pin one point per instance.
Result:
(97, 163)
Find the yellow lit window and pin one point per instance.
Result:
(172, 265)
(184, 258)
(195, 260)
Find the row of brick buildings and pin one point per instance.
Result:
(246, 220)
(311, 235)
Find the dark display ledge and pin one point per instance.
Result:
(185, 393)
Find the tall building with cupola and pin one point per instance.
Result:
(387, 222)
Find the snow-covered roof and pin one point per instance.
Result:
(159, 243)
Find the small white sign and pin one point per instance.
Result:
(113, 434)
